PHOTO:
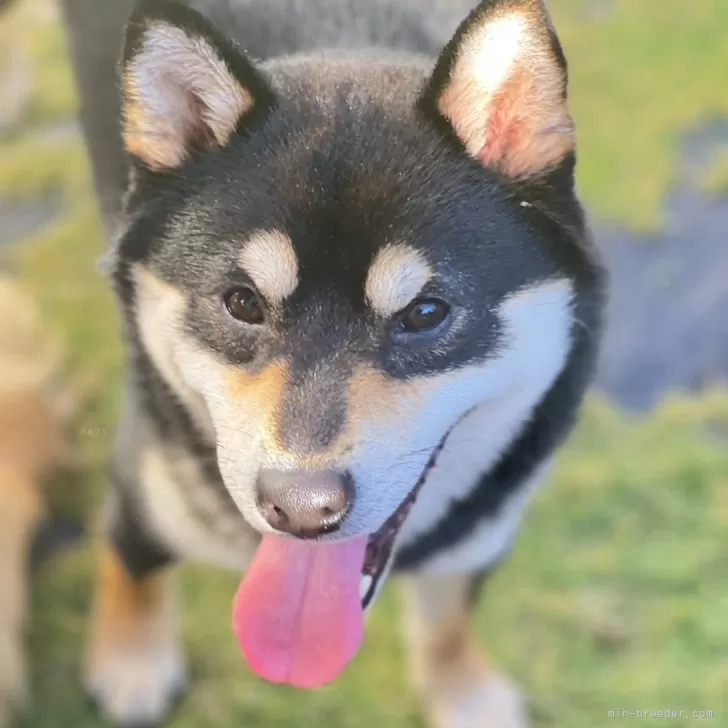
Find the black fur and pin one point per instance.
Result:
(132, 538)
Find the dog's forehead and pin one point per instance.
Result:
(345, 189)
(395, 275)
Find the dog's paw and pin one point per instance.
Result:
(493, 703)
(136, 686)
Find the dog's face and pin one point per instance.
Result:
(332, 263)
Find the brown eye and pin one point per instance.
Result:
(424, 315)
(244, 305)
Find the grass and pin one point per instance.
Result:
(644, 74)
(617, 594)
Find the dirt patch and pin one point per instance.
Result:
(19, 220)
(668, 313)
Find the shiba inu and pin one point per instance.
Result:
(362, 307)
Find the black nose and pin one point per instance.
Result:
(304, 503)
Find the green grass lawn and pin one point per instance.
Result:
(617, 594)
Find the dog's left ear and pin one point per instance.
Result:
(500, 85)
(184, 87)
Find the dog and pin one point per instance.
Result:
(36, 406)
(361, 305)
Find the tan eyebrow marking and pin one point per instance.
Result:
(397, 274)
(269, 258)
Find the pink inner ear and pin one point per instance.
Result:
(528, 127)
(179, 94)
(506, 98)
(505, 129)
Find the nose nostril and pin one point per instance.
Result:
(275, 516)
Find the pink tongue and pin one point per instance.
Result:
(298, 614)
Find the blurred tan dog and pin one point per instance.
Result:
(35, 407)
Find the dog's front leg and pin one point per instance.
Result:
(134, 665)
(448, 668)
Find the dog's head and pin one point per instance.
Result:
(333, 261)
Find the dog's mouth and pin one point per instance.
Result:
(299, 612)
(380, 546)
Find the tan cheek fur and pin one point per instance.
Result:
(381, 407)
(373, 400)
(250, 400)
(260, 393)
(373, 397)
(263, 393)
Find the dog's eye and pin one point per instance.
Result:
(424, 315)
(243, 304)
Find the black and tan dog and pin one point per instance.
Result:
(361, 307)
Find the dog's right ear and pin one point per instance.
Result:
(184, 87)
